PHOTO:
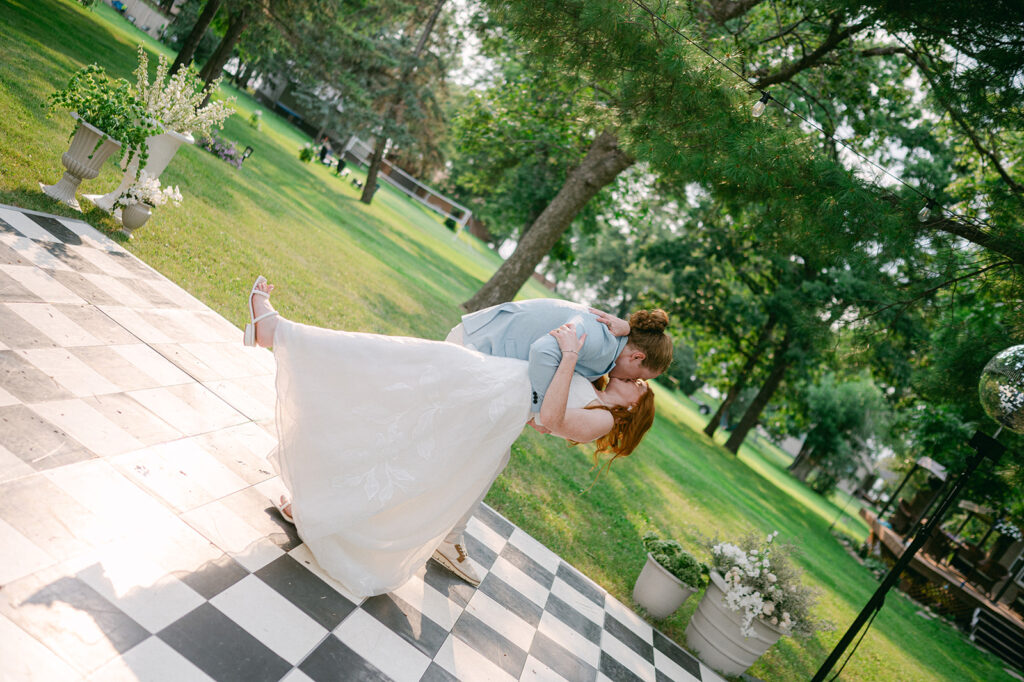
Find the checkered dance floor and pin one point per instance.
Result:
(136, 536)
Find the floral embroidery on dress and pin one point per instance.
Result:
(381, 481)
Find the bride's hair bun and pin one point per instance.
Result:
(655, 321)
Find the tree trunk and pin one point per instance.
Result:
(251, 73)
(602, 164)
(779, 366)
(804, 464)
(393, 112)
(803, 470)
(188, 48)
(241, 74)
(805, 449)
(215, 64)
(741, 380)
(371, 175)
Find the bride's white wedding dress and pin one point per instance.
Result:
(386, 442)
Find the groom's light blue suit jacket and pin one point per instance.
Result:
(520, 330)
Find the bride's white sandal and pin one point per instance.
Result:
(282, 505)
(250, 329)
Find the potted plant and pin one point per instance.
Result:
(754, 597)
(669, 577)
(181, 106)
(108, 116)
(139, 200)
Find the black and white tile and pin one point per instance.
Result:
(137, 541)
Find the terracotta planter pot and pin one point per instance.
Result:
(133, 217)
(162, 149)
(658, 591)
(82, 161)
(714, 633)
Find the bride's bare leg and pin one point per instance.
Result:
(265, 327)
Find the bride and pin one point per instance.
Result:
(385, 442)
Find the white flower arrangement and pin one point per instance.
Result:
(147, 190)
(177, 101)
(762, 583)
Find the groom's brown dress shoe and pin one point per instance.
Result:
(454, 558)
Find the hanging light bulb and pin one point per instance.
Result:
(760, 104)
(925, 213)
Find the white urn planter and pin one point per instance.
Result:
(658, 591)
(714, 633)
(82, 161)
(162, 149)
(134, 216)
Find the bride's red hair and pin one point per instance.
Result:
(631, 424)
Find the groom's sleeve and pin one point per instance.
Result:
(544, 359)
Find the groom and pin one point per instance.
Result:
(520, 330)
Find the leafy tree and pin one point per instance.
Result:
(682, 373)
(969, 327)
(401, 101)
(192, 29)
(604, 161)
(684, 120)
(607, 256)
(843, 416)
(241, 13)
(513, 144)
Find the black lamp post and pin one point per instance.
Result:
(1001, 391)
(986, 447)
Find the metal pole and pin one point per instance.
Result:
(985, 446)
(970, 515)
(988, 533)
(924, 512)
(893, 496)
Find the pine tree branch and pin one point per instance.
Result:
(884, 51)
(835, 37)
(784, 32)
(957, 116)
(1009, 247)
(830, 142)
(989, 154)
(931, 290)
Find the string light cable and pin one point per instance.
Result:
(931, 205)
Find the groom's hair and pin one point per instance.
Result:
(647, 334)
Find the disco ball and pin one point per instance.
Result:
(1001, 388)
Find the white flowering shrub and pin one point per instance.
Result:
(177, 101)
(1009, 529)
(762, 582)
(147, 190)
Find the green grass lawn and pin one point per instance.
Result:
(392, 267)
